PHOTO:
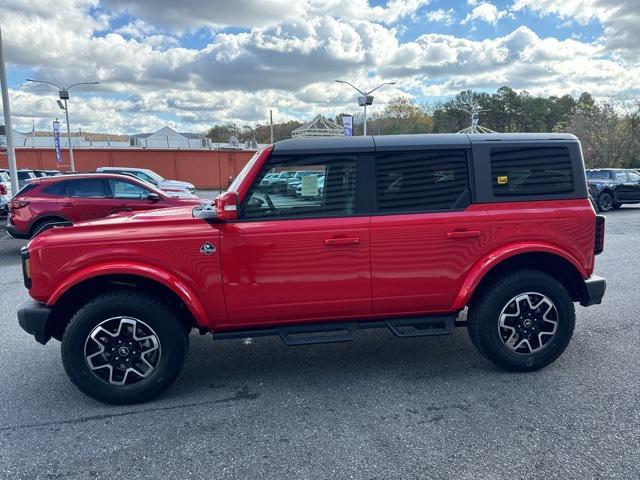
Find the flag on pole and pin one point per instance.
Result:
(347, 122)
(56, 141)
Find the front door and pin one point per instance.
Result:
(302, 255)
(127, 197)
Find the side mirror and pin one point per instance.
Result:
(154, 197)
(226, 206)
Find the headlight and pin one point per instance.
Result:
(26, 266)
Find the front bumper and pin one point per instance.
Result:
(34, 318)
(593, 291)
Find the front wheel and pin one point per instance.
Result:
(523, 322)
(124, 347)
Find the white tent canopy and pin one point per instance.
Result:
(319, 127)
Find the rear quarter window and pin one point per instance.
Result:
(531, 171)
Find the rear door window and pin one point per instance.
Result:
(422, 182)
(88, 188)
(58, 189)
(621, 177)
(599, 175)
(531, 171)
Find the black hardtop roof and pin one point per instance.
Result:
(428, 141)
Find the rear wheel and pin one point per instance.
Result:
(605, 202)
(124, 347)
(44, 224)
(523, 322)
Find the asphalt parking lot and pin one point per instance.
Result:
(375, 408)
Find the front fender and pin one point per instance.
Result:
(169, 280)
(485, 265)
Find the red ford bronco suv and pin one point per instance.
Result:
(401, 232)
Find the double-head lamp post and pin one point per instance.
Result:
(366, 98)
(63, 93)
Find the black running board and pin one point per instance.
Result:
(332, 332)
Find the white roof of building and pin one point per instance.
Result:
(165, 132)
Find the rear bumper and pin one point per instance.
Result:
(34, 317)
(14, 233)
(593, 291)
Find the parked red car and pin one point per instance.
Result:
(400, 232)
(76, 198)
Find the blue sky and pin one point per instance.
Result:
(195, 63)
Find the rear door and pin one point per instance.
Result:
(86, 199)
(299, 258)
(424, 236)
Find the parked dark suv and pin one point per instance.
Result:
(613, 187)
(398, 232)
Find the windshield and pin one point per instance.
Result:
(153, 175)
(243, 173)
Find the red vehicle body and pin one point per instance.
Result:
(80, 197)
(237, 277)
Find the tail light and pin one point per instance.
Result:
(3, 189)
(598, 245)
(17, 204)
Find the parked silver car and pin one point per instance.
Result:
(175, 188)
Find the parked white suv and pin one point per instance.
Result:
(5, 191)
(175, 188)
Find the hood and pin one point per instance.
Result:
(136, 226)
(175, 184)
(180, 194)
(159, 215)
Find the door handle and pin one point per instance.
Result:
(125, 209)
(68, 204)
(463, 234)
(341, 241)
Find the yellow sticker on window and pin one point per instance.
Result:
(503, 180)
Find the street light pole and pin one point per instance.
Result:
(365, 99)
(8, 129)
(364, 130)
(63, 93)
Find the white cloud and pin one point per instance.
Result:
(188, 14)
(287, 62)
(620, 19)
(485, 12)
(445, 17)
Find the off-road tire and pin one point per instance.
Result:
(484, 317)
(169, 331)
